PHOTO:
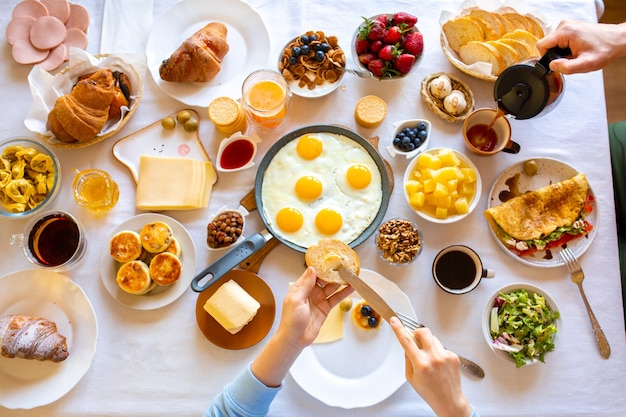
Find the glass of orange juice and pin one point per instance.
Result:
(95, 190)
(265, 97)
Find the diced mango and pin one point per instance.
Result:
(448, 158)
(417, 200)
(461, 205)
(466, 189)
(469, 174)
(413, 186)
(429, 185)
(445, 202)
(452, 185)
(425, 160)
(441, 213)
(440, 190)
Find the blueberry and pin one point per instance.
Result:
(293, 60)
(422, 134)
(304, 50)
(366, 310)
(325, 47)
(319, 56)
(421, 126)
(296, 51)
(304, 39)
(397, 142)
(372, 321)
(312, 38)
(406, 130)
(406, 141)
(411, 146)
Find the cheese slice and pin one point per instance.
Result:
(232, 307)
(332, 328)
(167, 183)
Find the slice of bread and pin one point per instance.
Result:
(492, 26)
(475, 51)
(523, 50)
(462, 30)
(526, 37)
(534, 26)
(518, 20)
(509, 53)
(328, 255)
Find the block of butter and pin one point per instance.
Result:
(166, 183)
(232, 306)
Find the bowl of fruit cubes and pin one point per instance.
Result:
(410, 138)
(388, 45)
(442, 185)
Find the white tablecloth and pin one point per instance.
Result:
(157, 363)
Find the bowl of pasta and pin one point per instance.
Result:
(30, 177)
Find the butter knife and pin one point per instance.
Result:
(379, 305)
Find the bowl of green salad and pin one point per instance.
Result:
(521, 323)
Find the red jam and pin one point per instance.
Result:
(236, 154)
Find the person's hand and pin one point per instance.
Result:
(306, 306)
(432, 371)
(593, 45)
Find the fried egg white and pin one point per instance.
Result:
(321, 185)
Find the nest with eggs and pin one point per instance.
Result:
(436, 104)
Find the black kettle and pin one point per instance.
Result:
(526, 89)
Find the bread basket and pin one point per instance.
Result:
(111, 128)
(436, 104)
(460, 65)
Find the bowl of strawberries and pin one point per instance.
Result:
(388, 45)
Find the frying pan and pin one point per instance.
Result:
(256, 241)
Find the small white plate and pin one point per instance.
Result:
(550, 171)
(41, 293)
(360, 370)
(155, 299)
(247, 38)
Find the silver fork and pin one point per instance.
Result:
(578, 276)
(466, 364)
(359, 73)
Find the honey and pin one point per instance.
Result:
(95, 190)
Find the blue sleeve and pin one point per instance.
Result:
(245, 396)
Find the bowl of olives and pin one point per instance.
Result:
(410, 138)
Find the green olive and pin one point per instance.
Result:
(346, 304)
(191, 125)
(168, 123)
(531, 167)
(183, 115)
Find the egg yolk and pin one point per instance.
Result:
(308, 188)
(289, 219)
(309, 147)
(328, 221)
(358, 176)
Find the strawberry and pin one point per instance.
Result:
(404, 62)
(414, 43)
(376, 46)
(406, 18)
(362, 46)
(377, 31)
(387, 53)
(366, 58)
(376, 67)
(382, 19)
(393, 35)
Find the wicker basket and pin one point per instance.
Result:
(134, 102)
(436, 104)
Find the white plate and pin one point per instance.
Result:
(550, 171)
(247, 37)
(37, 292)
(360, 370)
(155, 299)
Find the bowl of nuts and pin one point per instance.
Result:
(399, 241)
(226, 228)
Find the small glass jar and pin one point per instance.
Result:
(95, 190)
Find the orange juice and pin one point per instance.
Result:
(265, 96)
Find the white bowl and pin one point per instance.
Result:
(249, 140)
(486, 317)
(243, 212)
(51, 194)
(452, 218)
(393, 150)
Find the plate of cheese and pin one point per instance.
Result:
(237, 311)
(169, 164)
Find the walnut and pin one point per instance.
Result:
(398, 241)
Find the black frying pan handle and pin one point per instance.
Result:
(228, 261)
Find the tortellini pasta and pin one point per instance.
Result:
(26, 178)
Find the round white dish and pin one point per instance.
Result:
(41, 293)
(360, 370)
(160, 297)
(247, 37)
(549, 171)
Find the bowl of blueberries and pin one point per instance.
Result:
(410, 138)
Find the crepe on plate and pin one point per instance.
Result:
(545, 218)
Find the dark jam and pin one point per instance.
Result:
(236, 154)
(54, 240)
(455, 270)
(482, 137)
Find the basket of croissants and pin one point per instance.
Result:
(95, 97)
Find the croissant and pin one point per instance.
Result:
(199, 57)
(81, 114)
(31, 338)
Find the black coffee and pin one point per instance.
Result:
(54, 239)
(455, 270)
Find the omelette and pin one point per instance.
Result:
(543, 218)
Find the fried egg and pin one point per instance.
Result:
(321, 185)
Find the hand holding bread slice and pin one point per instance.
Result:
(328, 256)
